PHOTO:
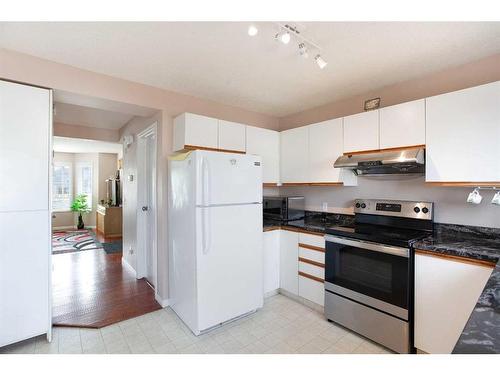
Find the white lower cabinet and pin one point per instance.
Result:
(312, 268)
(446, 292)
(289, 256)
(271, 245)
(294, 263)
(312, 290)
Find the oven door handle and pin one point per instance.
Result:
(392, 250)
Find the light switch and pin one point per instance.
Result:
(131, 177)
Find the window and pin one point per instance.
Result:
(62, 187)
(84, 180)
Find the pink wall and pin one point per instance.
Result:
(85, 132)
(452, 79)
(25, 68)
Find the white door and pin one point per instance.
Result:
(266, 144)
(150, 213)
(227, 178)
(229, 262)
(325, 146)
(403, 125)
(146, 233)
(361, 132)
(294, 155)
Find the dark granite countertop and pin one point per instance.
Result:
(482, 331)
(317, 222)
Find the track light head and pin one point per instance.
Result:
(303, 50)
(283, 36)
(319, 60)
(252, 30)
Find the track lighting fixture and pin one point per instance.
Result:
(287, 32)
(252, 30)
(319, 60)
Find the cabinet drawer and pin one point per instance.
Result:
(314, 255)
(312, 290)
(312, 270)
(312, 240)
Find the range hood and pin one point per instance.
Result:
(383, 164)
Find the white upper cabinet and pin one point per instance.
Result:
(325, 146)
(403, 125)
(195, 130)
(266, 144)
(232, 136)
(462, 135)
(294, 155)
(361, 132)
(25, 128)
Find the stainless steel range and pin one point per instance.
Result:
(369, 270)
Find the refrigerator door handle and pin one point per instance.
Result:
(205, 220)
(205, 230)
(205, 172)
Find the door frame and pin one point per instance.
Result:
(142, 231)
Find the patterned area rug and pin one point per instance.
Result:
(74, 240)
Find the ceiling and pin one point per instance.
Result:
(88, 116)
(76, 145)
(219, 61)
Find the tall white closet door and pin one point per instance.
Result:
(25, 233)
(25, 114)
(24, 275)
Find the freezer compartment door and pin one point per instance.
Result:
(228, 178)
(229, 262)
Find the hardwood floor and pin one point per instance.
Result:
(92, 289)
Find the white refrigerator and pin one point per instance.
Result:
(215, 237)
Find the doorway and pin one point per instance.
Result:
(95, 280)
(146, 202)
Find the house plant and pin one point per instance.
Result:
(80, 205)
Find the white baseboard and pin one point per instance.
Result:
(163, 302)
(303, 301)
(271, 293)
(126, 265)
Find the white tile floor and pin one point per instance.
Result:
(282, 326)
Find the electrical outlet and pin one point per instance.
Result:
(324, 206)
(130, 250)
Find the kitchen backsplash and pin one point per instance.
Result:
(450, 202)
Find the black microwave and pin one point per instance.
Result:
(283, 208)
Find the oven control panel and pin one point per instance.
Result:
(409, 209)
